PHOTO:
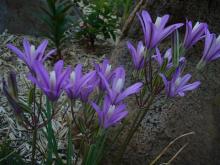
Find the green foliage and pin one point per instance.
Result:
(123, 8)
(8, 155)
(56, 17)
(96, 150)
(98, 19)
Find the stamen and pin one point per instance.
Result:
(158, 21)
(52, 79)
(32, 49)
(108, 69)
(111, 110)
(119, 85)
(73, 77)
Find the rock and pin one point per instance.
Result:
(20, 16)
(180, 10)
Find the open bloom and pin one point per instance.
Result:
(106, 70)
(30, 54)
(166, 57)
(154, 33)
(137, 54)
(193, 34)
(51, 83)
(79, 85)
(178, 85)
(211, 50)
(110, 114)
(115, 90)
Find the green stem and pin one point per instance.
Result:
(70, 145)
(49, 133)
(136, 123)
(96, 150)
(34, 131)
(34, 145)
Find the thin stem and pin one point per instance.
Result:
(49, 133)
(136, 123)
(34, 141)
(150, 74)
(70, 144)
(73, 114)
(34, 121)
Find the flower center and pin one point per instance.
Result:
(218, 39)
(73, 77)
(32, 50)
(178, 81)
(108, 69)
(119, 85)
(52, 79)
(158, 21)
(141, 51)
(196, 26)
(111, 110)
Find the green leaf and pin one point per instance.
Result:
(31, 96)
(70, 146)
(81, 124)
(175, 48)
(164, 65)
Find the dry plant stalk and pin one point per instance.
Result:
(130, 19)
(168, 146)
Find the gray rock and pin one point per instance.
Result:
(20, 16)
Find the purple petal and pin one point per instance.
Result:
(58, 67)
(130, 90)
(41, 49)
(49, 54)
(42, 74)
(190, 87)
(16, 51)
(78, 71)
(133, 53)
(184, 80)
(27, 48)
(164, 21)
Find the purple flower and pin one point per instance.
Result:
(110, 114)
(79, 85)
(106, 70)
(137, 54)
(154, 33)
(166, 56)
(30, 54)
(193, 34)
(211, 50)
(116, 92)
(51, 83)
(178, 85)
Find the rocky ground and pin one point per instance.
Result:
(167, 119)
(75, 52)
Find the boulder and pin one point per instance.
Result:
(20, 16)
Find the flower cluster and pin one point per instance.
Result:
(102, 90)
(78, 85)
(113, 109)
(154, 33)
